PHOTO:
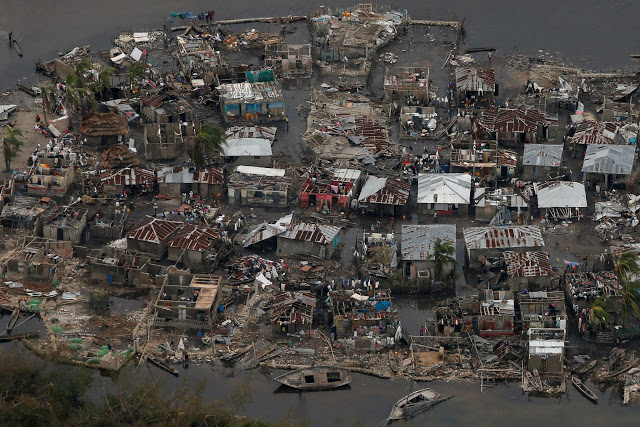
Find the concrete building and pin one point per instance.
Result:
(289, 61)
(197, 247)
(326, 189)
(65, 224)
(255, 186)
(561, 199)
(123, 267)
(303, 238)
(446, 193)
(205, 182)
(131, 180)
(609, 162)
(384, 196)
(484, 242)
(528, 270)
(152, 235)
(38, 260)
(417, 246)
(166, 107)
(51, 177)
(165, 141)
(407, 85)
(247, 152)
(496, 205)
(258, 99)
(104, 129)
(541, 160)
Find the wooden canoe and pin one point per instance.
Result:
(582, 388)
(585, 367)
(13, 320)
(316, 378)
(414, 403)
(162, 365)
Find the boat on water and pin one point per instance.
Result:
(582, 388)
(162, 365)
(414, 403)
(17, 47)
(586, 367)
(316, 378)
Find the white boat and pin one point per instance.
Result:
(414, 403)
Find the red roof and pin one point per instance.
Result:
(194, 238)
(209, 176)
(154, 230)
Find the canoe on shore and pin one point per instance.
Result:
(586, 367)
(582, 388)
(160, 364)
(316, 378)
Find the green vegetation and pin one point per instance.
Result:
(209, 141)
(36, 393)
(627, 271)
(442, 256)
(11, 146)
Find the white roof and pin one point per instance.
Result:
(239, 147)
(517, 236)
(451, 188)
(418, 241)
(255, 170)
(372, 186)
(609, 159)
(561, 194)
(542, 154)
(541, 347)
(349, 175)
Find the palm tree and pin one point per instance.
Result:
(600, 312)
(627, 272)
(105, 76)
(443, 254)
(11, 146)
(208, 141)
(136, 71)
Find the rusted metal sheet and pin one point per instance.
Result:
(153, 230)
(527, 264)
(194, 238)
(418, 241)
(385, 191)
(595, 132)
(130, 176)
(519, 236)
(308, 232)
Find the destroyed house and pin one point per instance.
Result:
(266, 231)
(540, 160)
(23, 213)
(292, 312)
(518, 124)
(165, 141)
(164, 107)
(484, 242)
(543, 309)
(51, 177)
(408, 85)
(418, 122)
(130, 180)
(152, 235)
(480, 162)
(445, 193)
(258, 99)
(546, 352)
(305, 238)
(122, 267)
(417, 248)
(65, 224)
(478, 82)
(247, 151)
(196, 245)
(198, 60)
(608, 160)
(205, 182)
(357, 309)
(323, 189)
(289, 61)
(596, 132)
(384, 196)
(38, 260)
(188, 301)
(528, 270)
(492, 314)
(506, 164)
(7, 190)
(561, 199)
(104, 129)
(494, 205)
(255, 186)
(262, 132)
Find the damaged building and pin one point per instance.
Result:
(259, 99)
(289, 61)
(407, 85)
(207, 183)
(384, 196)
(104, 129)
(256, 186)
(519, 125)
(152, 236)
(417, 248)
(529, 270)
(326, 189)
(165, 141)
(130, 180)
(305, 238)
(292, 312)
(610, 162)
(65, 224)
(541, 160)
(445, 193)
(166, 107)
(51, 177)
(197, 247)
(483, 243)
(561, 199)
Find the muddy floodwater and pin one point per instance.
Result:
(596, 34)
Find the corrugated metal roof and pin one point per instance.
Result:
(595, 132)
(451, 188)
(153, 230)
(507, 158)
(240, 147)
(255, 170)
(250, 91)
(513, 120)
(542, 155)
(209, 176)
(517, 236)
(129, 176)
(309, 232)
(560, 194)
(346, 175)
(418, 241)
(386, 191)
(613, 159)
(265, 231)
(527, 264)
(475, 79)
(194, 238)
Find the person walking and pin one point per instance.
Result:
(435, 216)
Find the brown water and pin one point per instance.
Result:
(597, 34)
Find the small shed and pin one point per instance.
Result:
(151, 235)
(539, 160)
(104, 129)
(561, 199)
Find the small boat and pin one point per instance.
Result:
(582, 388)
(316, 378)
(415, 403)
(13, 320)
(585, 367)
(17, 47)
(162, 365)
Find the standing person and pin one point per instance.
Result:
(489, 55)
(435, 216)
(11, 39)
